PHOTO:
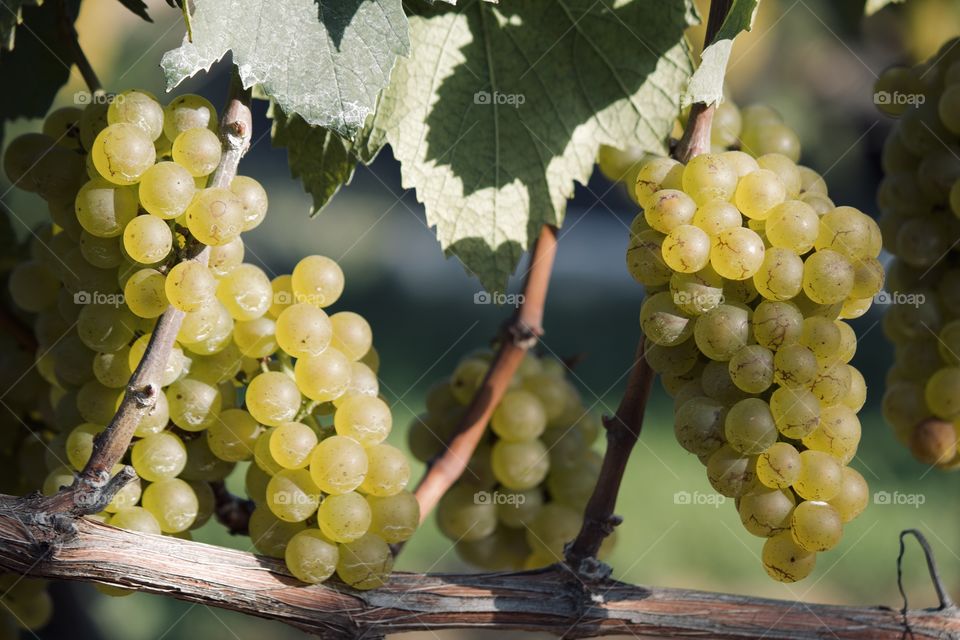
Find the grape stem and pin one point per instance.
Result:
(518, 336)
(231, 511)
(94, 487)
(72, 38)
(946, 603)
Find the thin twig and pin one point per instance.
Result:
(945, 601)
(70, 36)
(520, 334)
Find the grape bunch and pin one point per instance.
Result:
(260, 376)
(750, 271)
(919, 200)
(522, 496)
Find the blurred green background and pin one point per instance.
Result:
(816, 62)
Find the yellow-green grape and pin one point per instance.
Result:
(751, 368)
(166, 190)
(553, 527)
(675, 361)
(519, 508)
(816, 526)
(351, 334)
(147, 239)
(246, 292)
(325, 377)
(766, 513)
(716, 215)
(466, 379)
(794, 366)
(215, 215)
(159, 456)
(317, 280)
(780, 276)
(820, 476)
(269, 534)
(669, 208)
(857, 396)
(698, 425)
(262, 456)
(796, 411)
(155, 419)
(103, 253)
(135, 519)
(758, 193)
(365, 419)
(709, 177)
(520, 416)
(722, 331)
(656, 174)
(138, 108)
(292, 495)
(388, 471)
(122, 153)
(697, 293)
(33, 286)
(785, 561)
(737, 253)
(344, 517)
(820, 203)
(749, 427)
(80, 444)
(253, 200)
(210, 321)
(645, 258)
(779, 466)
(730, 472)
(853, 496)
(726, 125)
(113, 369)
(662, 322)
(233, 435)
(850, 232)
(311, 557)
(838, 433)
(282, 295)
(198, 151)
(190, 286)
(96, 403)
(868, 278)
(63, 125)
(188, 111)
(145, 293)
(338, 464)
(22, 157)
(686, 249)
(175, 362)
(772, 137)
(520, 465)
(822, 336)
(848, 342)
(291, 444)
(128, 496)
(831, 383)
(303, 330)
(225, 257)
(942, 393)
(394, 518)
(272, 398)
(105, 327)
(104, 209)
(785, 168)
(465, 514)
(173, 503)
(827, 277)
(365, 563)
(57, 479)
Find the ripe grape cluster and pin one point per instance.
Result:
(259, 371)
(919, 200)
(522, 496)
(750, 271)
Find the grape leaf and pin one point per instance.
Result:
(10, 17)
(139, 7)
(872, 6)
(706, 85)
(501, 108)
(325, 60)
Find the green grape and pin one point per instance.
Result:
(785, 561)
(574, 487)
(520, 465)
(751, 368)
(645, 258)
(779, 466)
(772, 137)
(103, 253)
(519, 417)
(166, 190)
(942, 393)
(686, 249)
(33, 286)
(210, 320)
(63, 125)
(233, 435)
(776, 324)
(253, 199)
(853, 496)
(225, 257)
(811, 181)
(388, 471)
(292, 495)
(57, 479)
(135, 519)
(147, 239)
(197, 150)
(722, 331)
(662, 322)
(311, 557)
(796, 411)
(104, 209)
(365, 563)
(291, 444)
(838, 433)
(351, 334)
(338, 465)
(272, 398)
(726, 125)
(827, 277)
(325, 377)
(921, 240)
(698, 425)
(394, 518)
(822, 336)
(79, 444)
(737, 253)
(758, 193)
(363, 382)
(793, 225)
(518, 509)
(173, 503)
(365, 419)
(656, 174)
(766, 513)
(128, 496)
(820, 476)
(730, 472)
(716, 215)
(857, 396)
(145, 293)
(139, 109)
(96, 403)
(122, 153)
(262, 456)
(948, 106)
(868, 278)
(744, 163)
(717, 384)
(461, 515)
(269, 534)
(188, 111)
(669, 208)
(246, 292)
(113, 369)
(553, 527)
(816, 526)
(831, 383)
(255, 483)
(317, 280)
(215, 215)
(676, 360)
(174, 365)
(850, 233)
(709, 177)
(794, 366)
(72, 360)
(159, 456)
(549, 389)
(303, 330)
(22, 155)
(155, 419)
(282, 295)
(344, 517)
(749, 426)
(206, 503)
(780, 276)
(785, 168)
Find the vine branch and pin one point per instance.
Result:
(944, 598)
(71, 37)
